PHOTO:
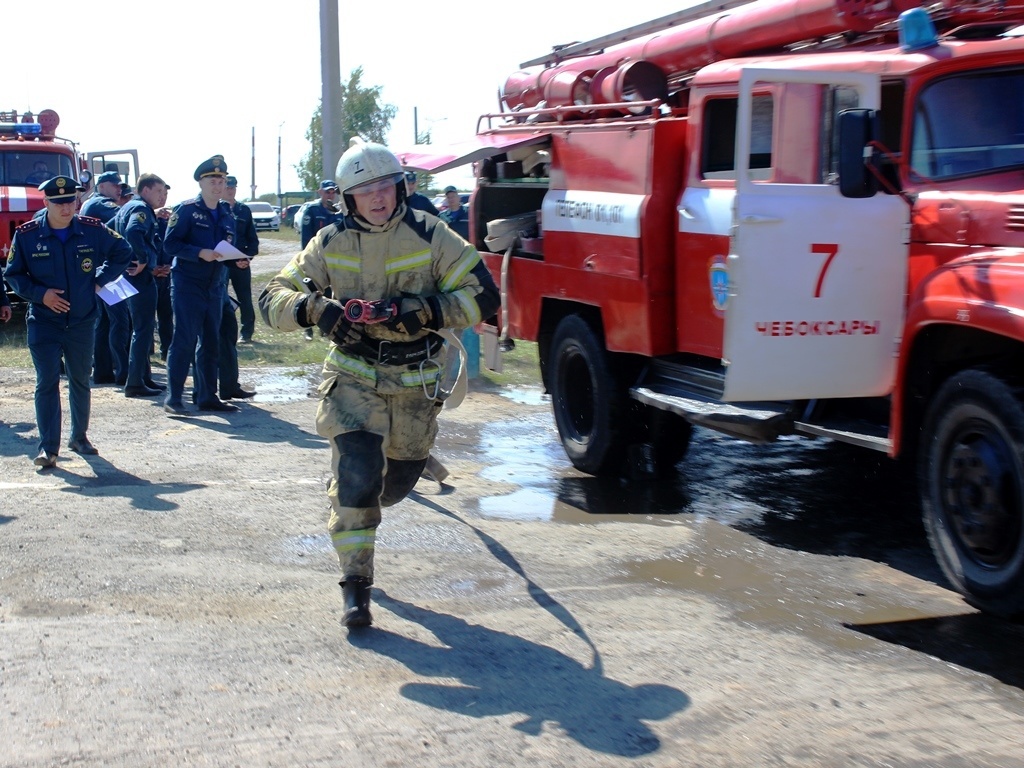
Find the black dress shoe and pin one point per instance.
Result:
(153, 385)
(218, 406)
(238, 394)
(46, 460)
(102, 379)
(143, 391)
(83, 446)
(175, 409)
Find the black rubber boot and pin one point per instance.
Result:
(356, 590)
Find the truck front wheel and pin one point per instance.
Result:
(586, 398)
(972, 483)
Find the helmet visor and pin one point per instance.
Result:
(378, 185)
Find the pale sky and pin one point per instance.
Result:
(186, 80)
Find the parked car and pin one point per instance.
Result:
(297, 218)
(263, 216)
(288, 217)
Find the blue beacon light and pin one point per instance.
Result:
(917, 31)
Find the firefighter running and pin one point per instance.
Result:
(381, 391)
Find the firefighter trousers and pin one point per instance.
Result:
(379, 446)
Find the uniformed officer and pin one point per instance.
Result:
(238, 273)
(137, 223)
(380, 395)
(57, 265)
(103, 205)
(240, 270)
(316, 216)
(415, 200)
(194, 230)
(456, 215)
(110, 355)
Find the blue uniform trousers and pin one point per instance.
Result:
(227, 359)
(197, 306)
(142, 308)
(241, 281)
(47, 342)
(120, 338)
(164, 314)
(103, 363)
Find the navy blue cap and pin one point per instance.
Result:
(450, 188)
(126, 189)
(60, 189)
(230, 181)
(328, 184)
(113, 176)
(215, 166)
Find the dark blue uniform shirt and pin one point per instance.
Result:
(100, 207)
(93, 255)
(246, 239)
(136, 222)
(314, 218)
(458, 221)
(192, 228)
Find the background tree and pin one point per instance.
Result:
(364, 115)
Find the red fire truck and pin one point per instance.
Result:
(779, 217)
(31, 153)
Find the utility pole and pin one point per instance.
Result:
(252, 192)
(280, 200)
(330, 88)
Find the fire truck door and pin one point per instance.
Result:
(816, 280)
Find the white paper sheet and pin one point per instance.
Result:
(227, 252)
(117, 291)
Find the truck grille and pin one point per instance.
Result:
(1015, 218)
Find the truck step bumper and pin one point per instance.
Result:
(757, 423)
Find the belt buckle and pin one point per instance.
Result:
(384, 352)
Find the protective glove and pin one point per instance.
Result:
(329, 316)
(412, 315)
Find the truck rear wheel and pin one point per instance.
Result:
(972, 488)
(587, 399)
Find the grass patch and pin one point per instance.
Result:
(285, 234)
(520, 367)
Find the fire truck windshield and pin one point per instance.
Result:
(31, 168)
(968, 125)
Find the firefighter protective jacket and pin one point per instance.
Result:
(413, 254)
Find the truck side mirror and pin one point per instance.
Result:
(857, 128)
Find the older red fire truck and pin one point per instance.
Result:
(31, 153)
(779, 217)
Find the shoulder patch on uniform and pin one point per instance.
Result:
(28, 226)
(140, 217)
(420, 225)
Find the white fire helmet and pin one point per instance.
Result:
(365, 162)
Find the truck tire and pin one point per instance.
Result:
(971, 467)
(587, 399)
(667, 434)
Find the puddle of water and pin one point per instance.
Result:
(282, 385)
(527, 395)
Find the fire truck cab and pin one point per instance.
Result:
(779, 217)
